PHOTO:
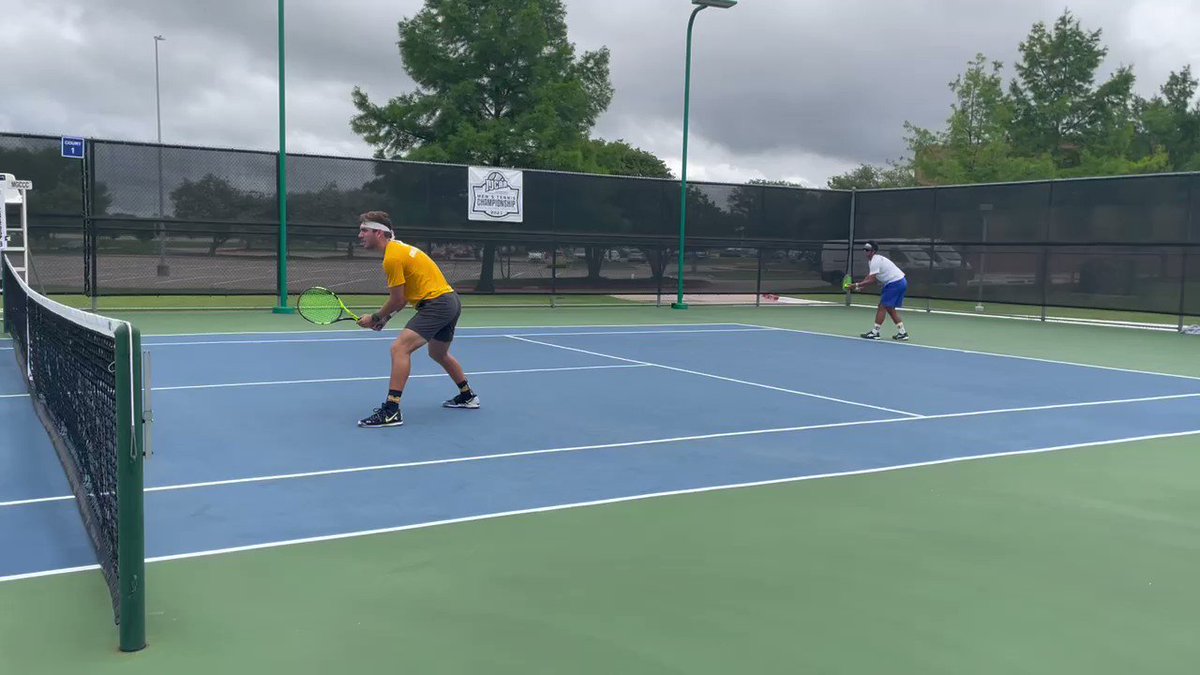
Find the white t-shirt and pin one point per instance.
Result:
(885, 270)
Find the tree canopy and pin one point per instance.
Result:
(1052, 120)
(498, 83)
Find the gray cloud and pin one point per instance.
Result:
(779, 90)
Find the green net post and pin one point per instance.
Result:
(282, 270)
(130, 498)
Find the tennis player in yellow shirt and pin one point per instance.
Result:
(412, 278)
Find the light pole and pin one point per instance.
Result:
(687, 83)
(282, 264)
(163, 269)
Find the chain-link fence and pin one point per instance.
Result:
(136, 218)
(1126, 244)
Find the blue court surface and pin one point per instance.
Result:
(255, 442)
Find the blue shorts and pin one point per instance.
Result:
(893, 293)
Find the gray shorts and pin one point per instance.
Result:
(436, 319)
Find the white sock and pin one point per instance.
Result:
(875, 329)
(900, 327)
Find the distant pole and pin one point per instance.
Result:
(282, 307)
(984, 209)
(163, 268)
(687, 86)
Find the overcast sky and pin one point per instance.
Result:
(781, 89)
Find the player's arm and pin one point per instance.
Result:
(865, 282)
(395, 303)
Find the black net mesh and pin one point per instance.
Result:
(894, 214)
(1191, 289)
(184, 220)
(512, 267)
(1146, 279)
(998, 273)
(1135, 210)
(802, 270)
(69, 358)
(612, 206)
(992, 213)
(790, 214)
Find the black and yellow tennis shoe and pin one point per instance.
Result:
(387, 415)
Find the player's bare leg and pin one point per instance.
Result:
(388, 414)
(440, 352)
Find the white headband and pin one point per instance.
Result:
(372, 225)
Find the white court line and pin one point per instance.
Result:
(359, 330)
(971, 351)
(599, 502)
(457, 337)
(226, 385)
(623, 444)
(385, 377)
(716, 377)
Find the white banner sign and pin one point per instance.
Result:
(495, 194)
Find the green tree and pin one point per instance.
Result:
(773, 182)
(974, 146)
(498, 83)
(1053, 122)
(1057, 108)
(868, 176)
(619, 158)
(1170, 122)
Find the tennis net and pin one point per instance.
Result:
(84, 376)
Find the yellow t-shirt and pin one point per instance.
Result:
(408, 265)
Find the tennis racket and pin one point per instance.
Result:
(847, 282)
(323, 307)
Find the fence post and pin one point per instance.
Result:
(554, 249)
(282, 274)
(929, 295)
(933, 232)
(660, 252)
(1183, 271)
(758, 281)
(90, 236)
(849, 242)
(1187, 239)
(1046, 248)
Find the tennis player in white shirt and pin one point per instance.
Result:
(895, 285)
